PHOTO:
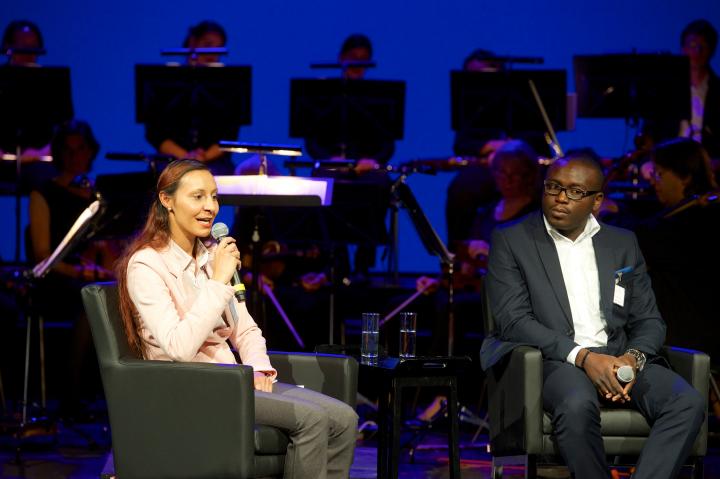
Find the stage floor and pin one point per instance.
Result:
(83, 451)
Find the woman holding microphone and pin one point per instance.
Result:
(177, 304)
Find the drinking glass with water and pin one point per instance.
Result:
(408, 334)
(370, 336)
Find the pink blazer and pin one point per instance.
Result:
(185, 315)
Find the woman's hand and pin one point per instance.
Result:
(263, 382)
(227, 260)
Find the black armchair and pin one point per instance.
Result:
(182, 420)
(521, 433)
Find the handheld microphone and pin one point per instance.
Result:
(219, 231)
(625, 374)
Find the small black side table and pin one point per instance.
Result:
(394, 374)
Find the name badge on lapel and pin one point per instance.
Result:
(619, 294)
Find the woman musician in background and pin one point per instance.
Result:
(54, 207)
(515, 173)
(681, 245)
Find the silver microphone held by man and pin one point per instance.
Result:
(625, 373)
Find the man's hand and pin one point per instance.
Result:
(263, 382)
(629, 360)
(601, 369)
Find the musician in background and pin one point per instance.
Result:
(54, 207)
(698, 41)
(515, 173)
(356, 48)
(369, 153)
(473, 186)
(35, 143)
(22, 34)
(516, 176)
(197, 138)
(681, 246)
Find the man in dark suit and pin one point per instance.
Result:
(578, 290)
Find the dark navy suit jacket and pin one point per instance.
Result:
(530, 304)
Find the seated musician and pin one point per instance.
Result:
(515, 171)
(197, 138)
(698, 41)
(34, 143)
(473, 186)
(680, 244)
(54, 207)
(22, 34)
(370, 153)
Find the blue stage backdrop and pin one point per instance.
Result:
(418, 41)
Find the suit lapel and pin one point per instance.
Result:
(549, 257)
(604, 260)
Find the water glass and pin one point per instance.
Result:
(370, 334)
(408, 334)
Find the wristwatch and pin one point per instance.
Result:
(639, 358)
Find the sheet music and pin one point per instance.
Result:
(42, 267)
(262, 185)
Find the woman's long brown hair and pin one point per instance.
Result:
(155, 234)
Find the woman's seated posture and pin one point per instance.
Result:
(177, 304)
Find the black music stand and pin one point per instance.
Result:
(347, 112)
(504, 100)
(193, 95)
(433, 244)
(633, 86)
(33, 101)
(78, 231)
(355, 213)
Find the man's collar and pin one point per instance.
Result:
(592, 226)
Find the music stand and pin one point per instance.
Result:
(262, 191)
(633, 86)
(33, 101)
(77, 232)
(344, 111)
(433, 244)
(193, 95)
(504, 100)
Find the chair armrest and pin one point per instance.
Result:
(515, 403)
(331, 374)
(173, 419)
(694, 367)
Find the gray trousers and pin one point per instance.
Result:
(322, 430)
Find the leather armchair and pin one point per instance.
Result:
(521, 433)
(182, 420)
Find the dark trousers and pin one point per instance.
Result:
(672, 407)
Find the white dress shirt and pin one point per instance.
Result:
(580, 274)
(693, 129)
